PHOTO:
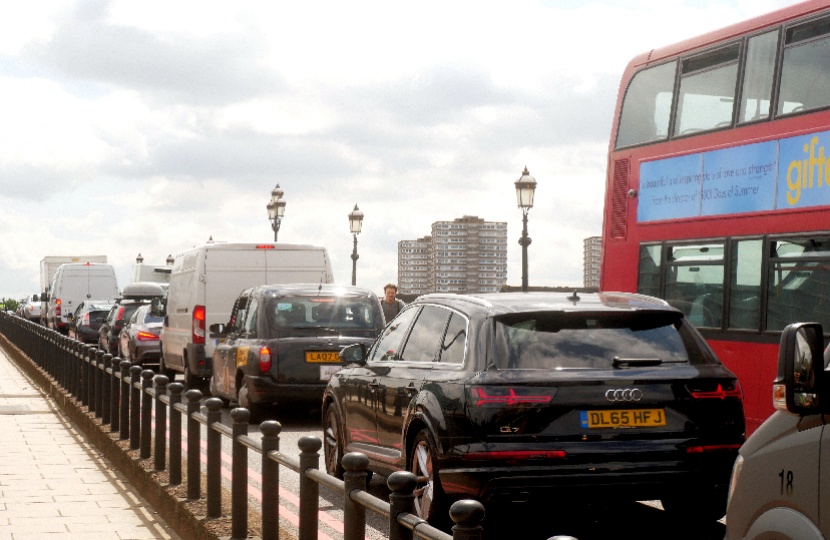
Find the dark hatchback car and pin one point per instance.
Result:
(87, 320)
(523, 397)
(140, 338)
(283, 341)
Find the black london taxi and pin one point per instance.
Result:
(282, 341)
(518, 397)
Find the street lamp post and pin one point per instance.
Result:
(525, 187)
(276, 210)
(355, 223)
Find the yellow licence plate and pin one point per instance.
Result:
(621, 418)
(322, 357)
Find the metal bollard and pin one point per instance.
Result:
(106, 386)
(467, 515)
(401, 500)
(270, 480)
(124, 421)
(175, 433)
(115, 395)
(135, 408)
(309, 489)
(194, 441)
(99, 382)
(160, 447)
(239, 478)
(354, 514)
(89, 388)
(214, 465)
(146, 413)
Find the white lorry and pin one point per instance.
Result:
(75, 283)
(49, 266)
(205, 283)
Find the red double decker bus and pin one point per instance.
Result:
(718, 187)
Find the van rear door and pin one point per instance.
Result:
(297, 264)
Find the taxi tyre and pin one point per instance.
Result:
(436, 509)
(214, 391)
(333, 443)
(244, 400)
(697, 505)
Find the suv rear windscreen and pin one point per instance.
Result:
(335, 312)
(593, 341)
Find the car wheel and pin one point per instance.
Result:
(243, 398)
(333, 443)
(214, 391)
(429, 496)
(190, 381)
(697, 506)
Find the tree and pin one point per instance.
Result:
(10, 304)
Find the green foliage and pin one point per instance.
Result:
(11, 305)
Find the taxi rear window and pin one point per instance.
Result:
(335, 312)
(593, 341)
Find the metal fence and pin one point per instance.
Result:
(123, 397)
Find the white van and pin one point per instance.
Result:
(205, 283)
(74, 283)
(780, 486)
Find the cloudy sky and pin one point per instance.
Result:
(149, 126)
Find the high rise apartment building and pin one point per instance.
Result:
(413, 265)
(467, 255)
(591, 256)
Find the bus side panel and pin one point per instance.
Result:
(756, 365)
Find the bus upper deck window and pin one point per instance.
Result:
(805, 71)
(758, 77)
(707, 90)
(647, 106)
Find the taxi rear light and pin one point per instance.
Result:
(265, 246)
(198, 324)
(505, 396)
(516, 454)
(722, 391)
(265, 360)
(147, 336)
(711, 448)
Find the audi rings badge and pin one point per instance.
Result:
(624, 394)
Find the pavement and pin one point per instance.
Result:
(55, 486)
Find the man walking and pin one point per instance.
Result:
(391, 305)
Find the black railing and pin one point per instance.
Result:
(124, 397)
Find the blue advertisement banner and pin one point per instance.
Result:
(773, 175)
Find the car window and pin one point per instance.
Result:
(251, 319)
(336, 312)
(455, 340)
(425, 337)
(237, 315)
(592, 341)
(149, 318)
(135, 316)
(111, 315)
(389, 342)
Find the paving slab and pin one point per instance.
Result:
(53, 483)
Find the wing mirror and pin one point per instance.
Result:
(44, 297)
(354, 354)
(158, 307)
(801, 376)
(217, 330)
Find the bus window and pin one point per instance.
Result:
(648, 279)
(805, 73)
(799, 282)
(745, 292)
(647, 106)
(694, 282)
(758, 77)
(707, 91)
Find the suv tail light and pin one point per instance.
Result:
(488, 396)
(120, 314)
(58, 307)
(265, 360)
(721, 390)
(147, 336)
(199, 324)
(86, 320)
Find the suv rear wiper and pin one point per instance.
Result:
(642, 362)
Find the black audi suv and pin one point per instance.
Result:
(519, 397)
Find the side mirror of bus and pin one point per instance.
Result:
(799, 384)
(354, 354)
